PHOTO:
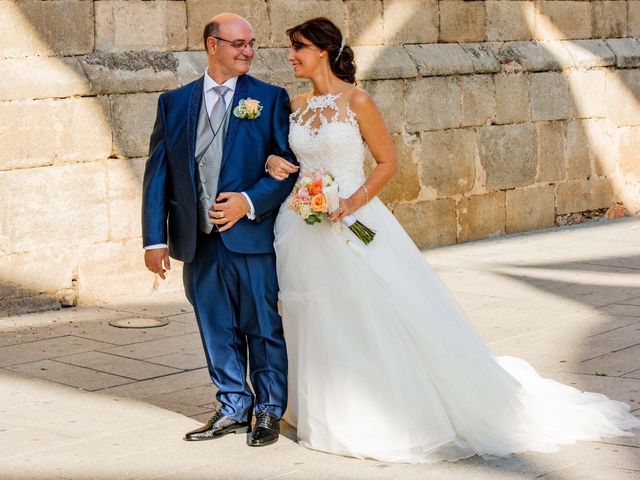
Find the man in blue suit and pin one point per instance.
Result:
(208, 202)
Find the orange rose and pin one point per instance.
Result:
(319, 203)
(315, 187)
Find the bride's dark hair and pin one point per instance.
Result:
(324, 34)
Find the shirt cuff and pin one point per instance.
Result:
(156, 246)
(251, 214)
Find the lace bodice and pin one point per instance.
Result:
(324, 134)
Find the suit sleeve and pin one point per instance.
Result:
(154, 199)
(268, 193)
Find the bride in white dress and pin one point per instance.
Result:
(383, 363)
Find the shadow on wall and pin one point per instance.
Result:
(104, 122)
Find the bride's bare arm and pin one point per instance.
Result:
(378, 140)
(278, 167)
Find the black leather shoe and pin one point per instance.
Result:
(218, 426)
(265, 432)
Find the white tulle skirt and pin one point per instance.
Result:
(383, 363)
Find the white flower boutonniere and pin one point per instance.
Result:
(248, 108)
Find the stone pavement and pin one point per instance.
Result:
(82, 400)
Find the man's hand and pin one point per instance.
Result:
(228, 209)
(154, 259)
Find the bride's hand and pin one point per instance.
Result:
(279, 168)
(346, 207)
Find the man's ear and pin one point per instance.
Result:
(211, 45)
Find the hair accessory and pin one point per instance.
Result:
(339, 51)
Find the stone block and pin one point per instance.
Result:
(124, 179)
(38, 270)
(383, 62)
(56, 27)
(508, 154)
(191, 65)
(276, 60)
(410, 21)
(580, 196)
(389, 97)
(508, 21)
(199, 12)
(448, 161)
(482, 58)
(628, 148)
(405, 185)
(440, 59)
(562, 19)
(609, 18)
(623, 92)
(634, 18)
(530, 208)
(577, 152)
(129, 72)
(140, 25)
(478, 99)
(512, 98)
(41, 77)
(365, 23)
(434, 103)
(74, 197)
(590, 53)
(429, 223)
(102, 266)
(284, 14)
(588, 93)
(551, 151)
(133, 119)
(626, 50)
(481, 216)
(530, 56)
(462, 21)
(549, 96)
(37, 133)
(603, 150)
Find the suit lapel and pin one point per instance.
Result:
(234, 122)
(192, 123)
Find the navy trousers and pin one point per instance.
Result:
(235, 300)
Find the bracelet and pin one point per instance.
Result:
(366, 193)
(266, 165)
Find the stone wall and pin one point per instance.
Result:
(506, 115)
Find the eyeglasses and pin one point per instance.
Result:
(239, 44)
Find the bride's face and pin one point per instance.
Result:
(305, 57)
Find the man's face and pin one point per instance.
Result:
(228, 57)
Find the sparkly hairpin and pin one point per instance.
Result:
(339, 51)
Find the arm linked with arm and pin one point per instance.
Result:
(268, 193)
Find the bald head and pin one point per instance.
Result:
(223, 23)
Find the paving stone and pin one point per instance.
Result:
(614, 364)
(70, 375)
(161, 385)
(44, 349)
(140, 351)
(116, 365)
(181, 360)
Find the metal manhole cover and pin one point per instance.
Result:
(139, 322)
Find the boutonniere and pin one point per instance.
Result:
(248, 108)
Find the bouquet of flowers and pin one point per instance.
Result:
(315, 195)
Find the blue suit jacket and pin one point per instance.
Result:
(169, 199)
